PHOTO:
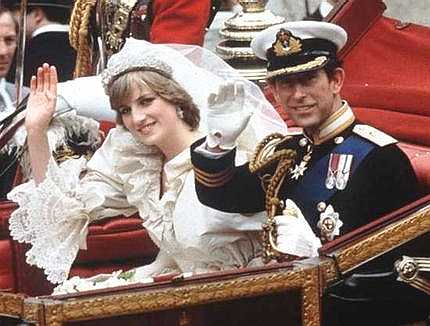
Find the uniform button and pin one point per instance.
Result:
(338, 140)
(303, 142)
(321, 206)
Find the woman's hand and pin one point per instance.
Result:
(42, 99)
(40, 109)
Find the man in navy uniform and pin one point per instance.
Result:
(344, 175)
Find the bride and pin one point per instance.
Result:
(143, 166)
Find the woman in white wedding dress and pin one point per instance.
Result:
(143, 165)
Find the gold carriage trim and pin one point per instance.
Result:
(316, 63)
(213, 180)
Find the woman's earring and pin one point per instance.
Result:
(179, 112)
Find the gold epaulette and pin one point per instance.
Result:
(214, 180)
(374, 135)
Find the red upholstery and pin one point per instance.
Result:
(7, 264)
(420, 159)
(388, 71)
(118, 231)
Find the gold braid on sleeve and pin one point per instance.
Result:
(79, 36)
(267, 154)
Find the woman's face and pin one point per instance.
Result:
(149, 118)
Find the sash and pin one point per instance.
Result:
(311, 189)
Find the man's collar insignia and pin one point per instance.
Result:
(286, 43)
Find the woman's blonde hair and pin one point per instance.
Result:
(167, 88)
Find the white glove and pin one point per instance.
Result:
(226, 117)
(85, 95)
(295, 236)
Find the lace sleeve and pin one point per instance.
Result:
(53, 216)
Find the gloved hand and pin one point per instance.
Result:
(85, 95)
(227, 117)
(295, 236)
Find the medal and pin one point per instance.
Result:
(299, 169)
(329, 224)
(339, 167)
(333, 163)
(344, 167)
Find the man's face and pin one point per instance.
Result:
(309, 98)
(8, 43)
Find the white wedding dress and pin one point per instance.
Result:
(123, 177)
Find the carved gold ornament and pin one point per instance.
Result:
(56, 311)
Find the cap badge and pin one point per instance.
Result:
(286, 43)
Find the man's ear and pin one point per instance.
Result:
(39, 15)
(337, 79)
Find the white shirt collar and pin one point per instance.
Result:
(51, 28)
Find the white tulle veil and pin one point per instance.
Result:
(200, 72)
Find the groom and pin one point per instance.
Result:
(344, 175)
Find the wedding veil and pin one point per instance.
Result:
(199, 71)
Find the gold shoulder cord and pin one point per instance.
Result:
(265, 155)
(79, 38)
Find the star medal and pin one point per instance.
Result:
(329, 224)
(299, 169)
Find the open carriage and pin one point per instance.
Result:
(386, 90)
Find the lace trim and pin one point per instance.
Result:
(52, 218)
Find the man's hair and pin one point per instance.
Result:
(331, 66)
(7, 11)
(54, 14)
(167, 88)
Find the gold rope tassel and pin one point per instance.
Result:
(265, 155)
(79, 36)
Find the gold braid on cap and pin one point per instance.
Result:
(79, 38)
(266, 154)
